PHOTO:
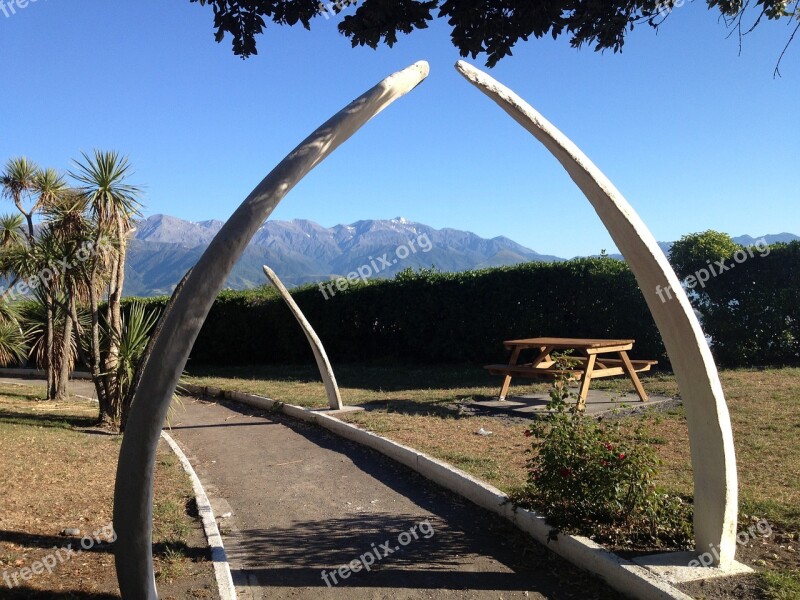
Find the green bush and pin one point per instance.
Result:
(692, 252)
(587, 477)
(749, 310)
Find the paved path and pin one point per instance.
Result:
(303, 501)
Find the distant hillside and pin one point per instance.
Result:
(301, 251)
(746, 240)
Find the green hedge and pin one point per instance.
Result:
(751, 311)
(430, 317)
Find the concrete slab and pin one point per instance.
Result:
(598, 403)
(342, 411)
(674, 567)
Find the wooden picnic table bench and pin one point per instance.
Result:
(586, 366)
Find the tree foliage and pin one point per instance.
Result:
(491, 27)
(73, 257)
(693, 252)
(746, 296)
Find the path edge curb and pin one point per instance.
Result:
(222, 569)
(619, 573)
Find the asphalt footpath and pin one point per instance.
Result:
(306, 514)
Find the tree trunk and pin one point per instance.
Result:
(50, 350)
(99, 378)
(115, 402)
(115, 297)
(28, 218)
(76, 326)
(66, 357)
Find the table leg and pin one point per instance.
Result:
(628, 367)
(544, 356)
(507, 381)
(585, 381)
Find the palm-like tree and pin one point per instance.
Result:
(11, 236)
(66, 221)
(49, 186)
(46, 341)
(13, 249)
(11, 230)
(114, 204)
(137, 327)
(46, 264)
(13, 346)
(33, 263)
(18, 182)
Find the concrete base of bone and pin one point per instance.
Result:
(340, 411)
(674, 567)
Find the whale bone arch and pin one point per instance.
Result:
(185, 315)
(710, 434)
(323, 364)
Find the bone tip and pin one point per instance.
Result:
(423, 67)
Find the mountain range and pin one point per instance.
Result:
(163, 248)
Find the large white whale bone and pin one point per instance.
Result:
(133, 493)
(324, 365)
(710, 435)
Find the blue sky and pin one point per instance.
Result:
(695, 134)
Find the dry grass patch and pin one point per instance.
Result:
(56, 474)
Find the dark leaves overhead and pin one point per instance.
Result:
(381, 20)
(245, 19)
(491, 27)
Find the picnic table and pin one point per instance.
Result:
(589, 362)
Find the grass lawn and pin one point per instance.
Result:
(57, 473)
(422, 408)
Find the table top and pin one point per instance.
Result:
(566, 343)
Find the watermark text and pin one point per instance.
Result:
(58, 557)
(376, 266)
(377, 553)
(714, 269)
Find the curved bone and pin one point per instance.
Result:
(133, 494)
(710, 435)
(324, 365)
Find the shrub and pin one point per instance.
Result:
(588, 477)
(749, 309)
